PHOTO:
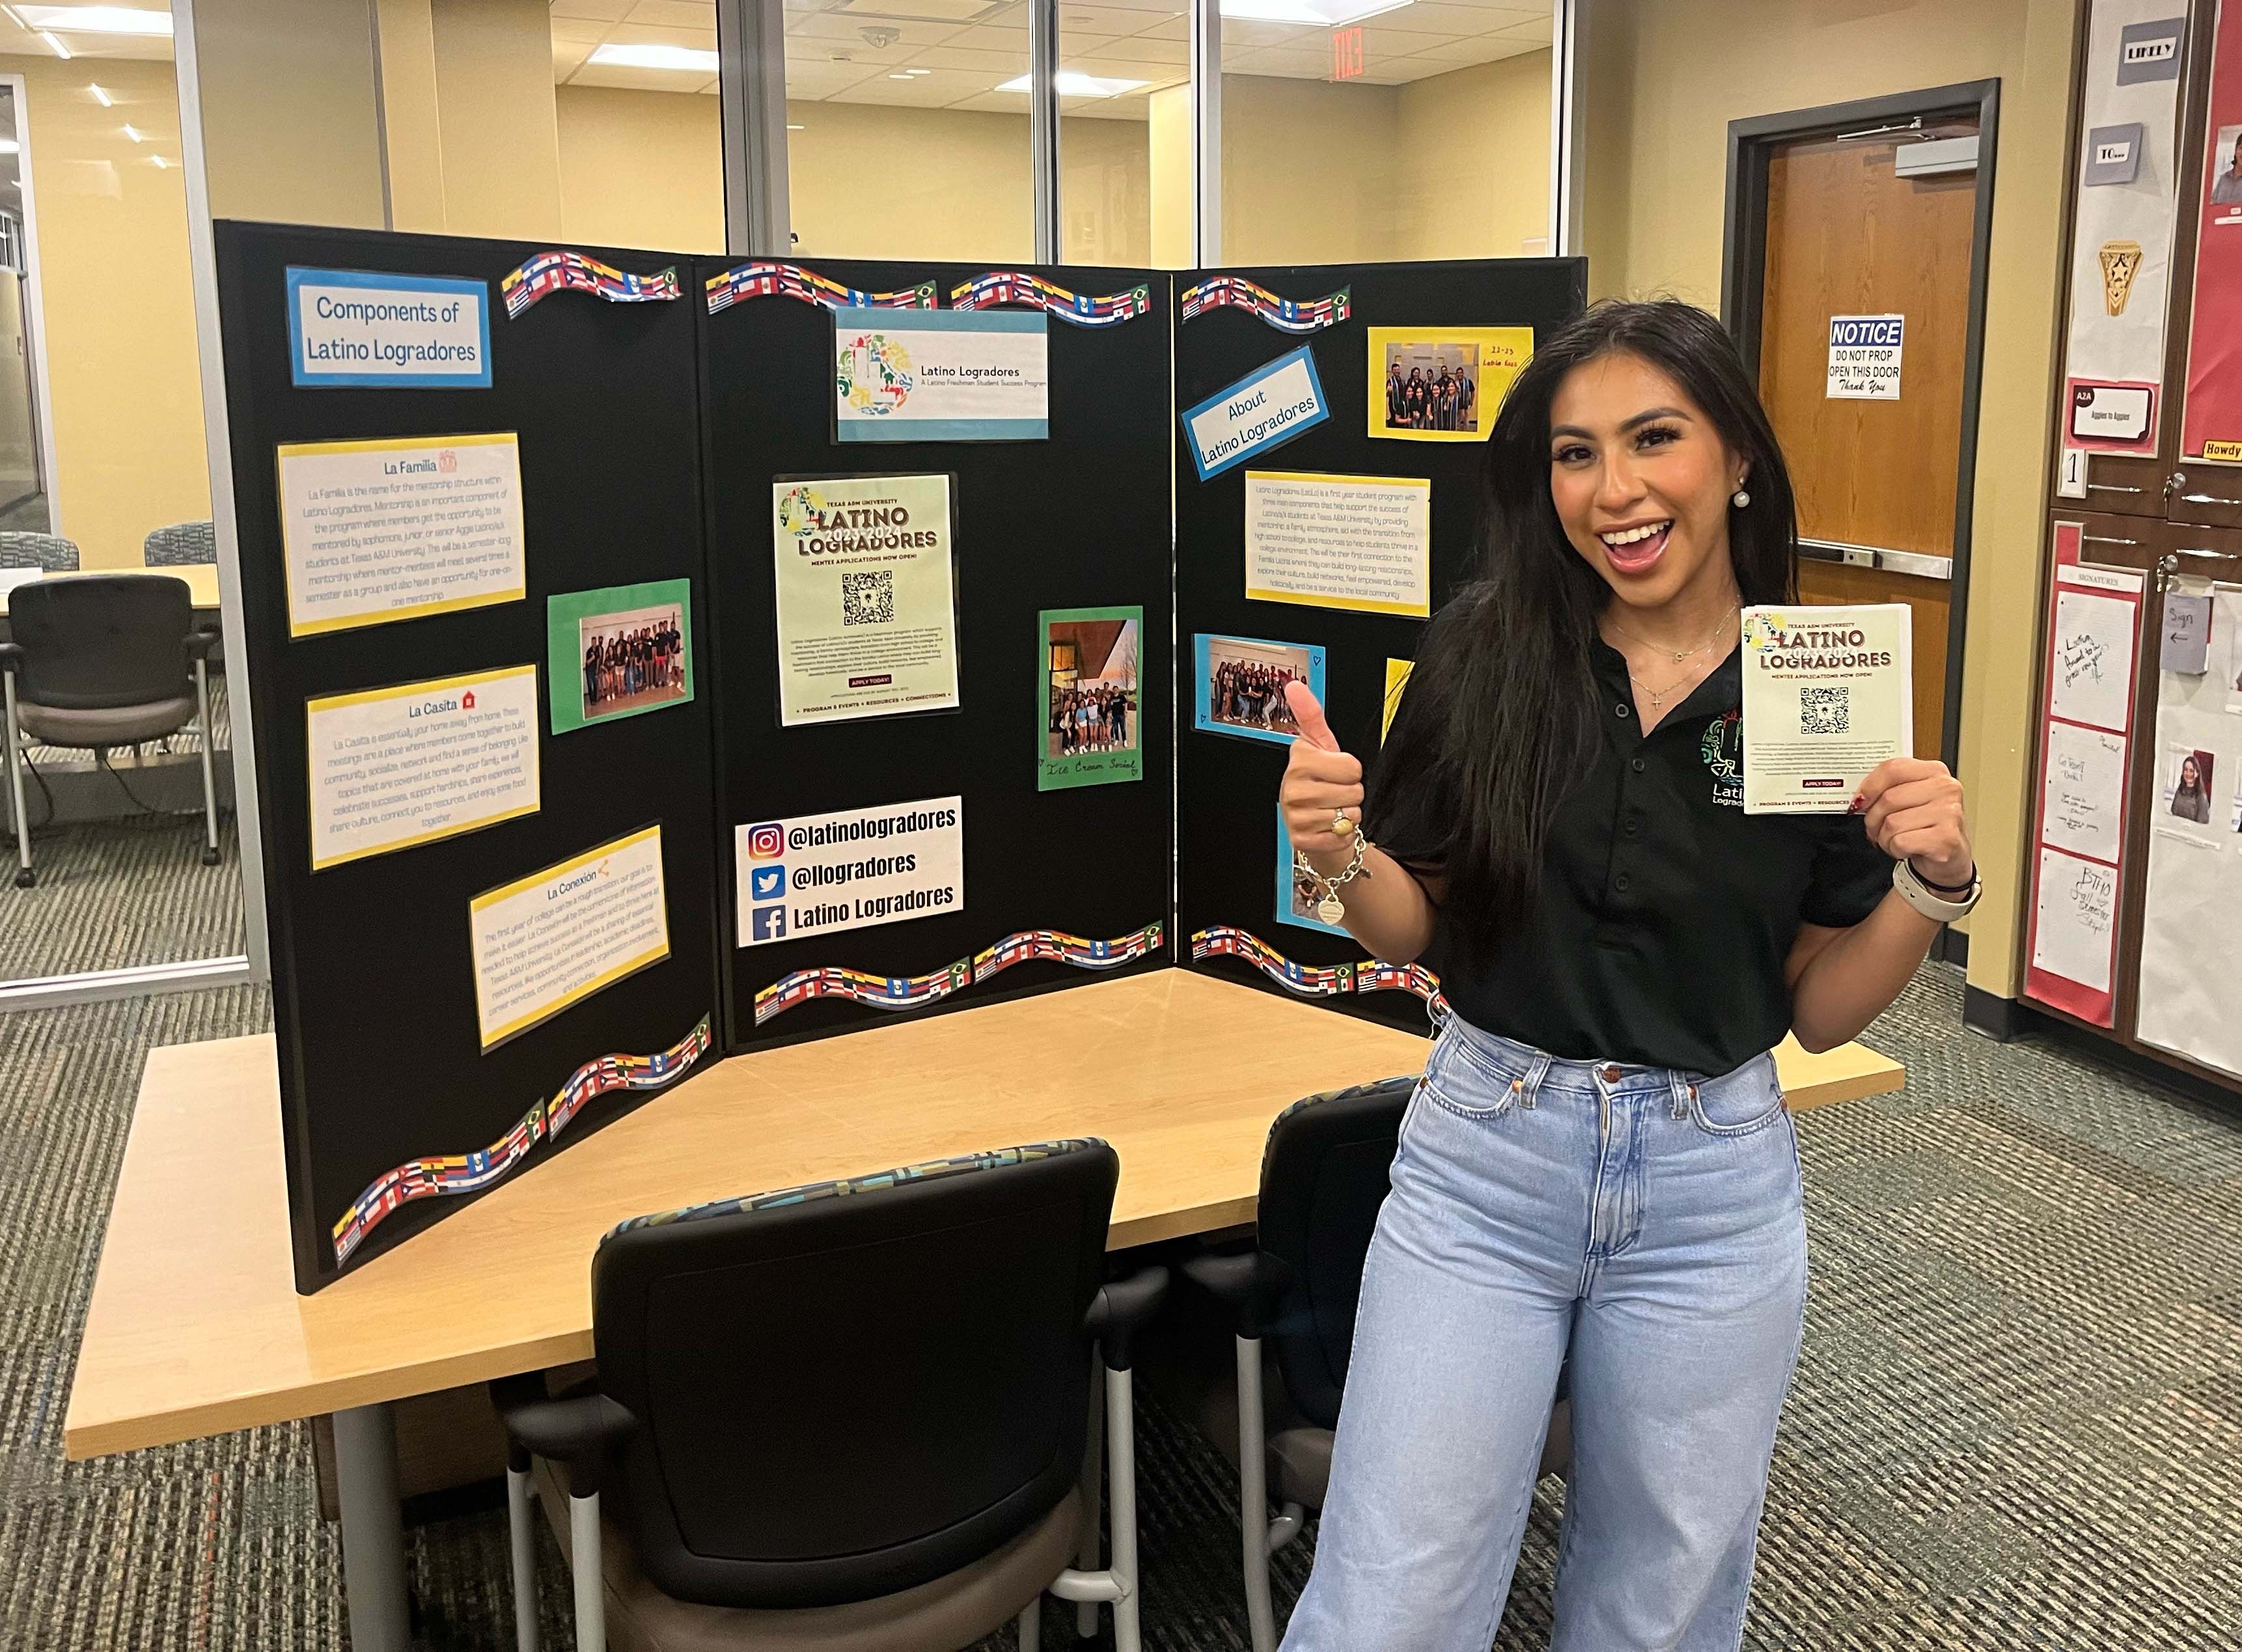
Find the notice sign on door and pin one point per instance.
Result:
(1864, 357)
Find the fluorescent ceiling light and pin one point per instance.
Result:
(135, 134)
(1071, 84)
(101, 97)
(96, 20)
(617, 56)
(55, 46)
(1309, 14)
(9, 146)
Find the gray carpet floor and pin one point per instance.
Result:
(2017, 1422)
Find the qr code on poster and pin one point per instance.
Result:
(1825, 711)
(869, 598)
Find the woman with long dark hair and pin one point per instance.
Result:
(1596, 1174)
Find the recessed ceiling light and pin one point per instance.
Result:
(1071, 84)
(137, 136)
(9, 146)
(899, 77)
(159, 160)
(621, 56)
(916, 73)
(792, 127)
(96, 20)
(55, 46)
(1308, 14)
(101, 97)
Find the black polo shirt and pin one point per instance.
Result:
(1666, 912)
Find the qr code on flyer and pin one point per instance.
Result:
(1825, 711)
(869, 598)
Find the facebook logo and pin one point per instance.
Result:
(766, 882)
(768, 922)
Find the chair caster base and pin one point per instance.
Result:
(25, 877)
(211, 857)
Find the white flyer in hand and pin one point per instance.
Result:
(1829, 693)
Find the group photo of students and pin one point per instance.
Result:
(632, 660)
(1443, 395)
(1094, 716)
(1251, 694)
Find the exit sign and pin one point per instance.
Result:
(1346, 53)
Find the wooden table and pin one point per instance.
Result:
(196, 1328)
(201, 578)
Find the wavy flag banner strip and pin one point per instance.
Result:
(565, 272)
(1309, 315)
(916, 991)
(1309, 981)
(1017, 286)
(760, 280)
(456, 1174)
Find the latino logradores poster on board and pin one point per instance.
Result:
(867, 602)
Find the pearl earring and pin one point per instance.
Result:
(1740, 499)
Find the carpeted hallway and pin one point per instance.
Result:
(2017, 1422)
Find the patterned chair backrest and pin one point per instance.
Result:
(48, 551)
(848, 1389)
(180, 544)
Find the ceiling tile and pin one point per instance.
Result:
(1003, 65)
(593, 74)
(640, 34)
(848, 30)
(1100, 20)
(676, 14)
(1143, 53)
(606, 10)
(1541, 31)
(1483, 49)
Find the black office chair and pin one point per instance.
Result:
(1290, 1302)
(100, 660)
(851, 1416)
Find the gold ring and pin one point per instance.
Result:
(1340, 824)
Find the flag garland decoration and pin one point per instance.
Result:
(455, 1174)
(761, 281)
(560, 271)
(1017, 286)
(916, 991)
(1307, 315)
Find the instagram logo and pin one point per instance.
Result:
(765, 843)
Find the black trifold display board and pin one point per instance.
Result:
(1078, 521)
(651, 435)
(1226, 890)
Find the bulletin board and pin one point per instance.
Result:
(1061, 883)
(398, 1107)
(1420, 316)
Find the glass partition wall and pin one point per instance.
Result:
(1185, 131)
(134, 873)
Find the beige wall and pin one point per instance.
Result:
(412, 135)
(494, 105)
(1662, 83)
(1168, 135)
(111, 233)
(610, 194)
(288, 110)
(1474, 161)
(1452, 167)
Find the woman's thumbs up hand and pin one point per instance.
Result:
(1321, 783)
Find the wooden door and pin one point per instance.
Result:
(1877, 480)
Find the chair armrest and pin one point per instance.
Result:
(1247, 1283)
(11, 656)
(1121, 1308)
(583, 1428)
(200, 642)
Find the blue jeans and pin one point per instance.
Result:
(1642, 1224)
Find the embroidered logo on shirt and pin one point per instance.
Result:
(1722, 751)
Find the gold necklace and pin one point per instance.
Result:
(1679, 655)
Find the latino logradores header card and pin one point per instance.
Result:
(1829, 693)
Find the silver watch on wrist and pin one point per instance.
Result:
(1936, 907)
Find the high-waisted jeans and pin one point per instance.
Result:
(1644, 1225)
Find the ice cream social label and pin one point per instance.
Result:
(1266, 409)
